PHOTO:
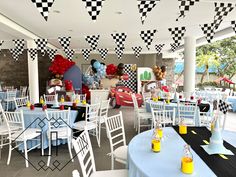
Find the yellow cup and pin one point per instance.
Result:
(182, 129)
(156, 145)
(160, 133)
(187, 165)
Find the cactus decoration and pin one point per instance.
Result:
(145, 76)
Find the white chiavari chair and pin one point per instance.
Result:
(50, 98)
(103, 112)
(21, 101)
(23, 91)
(164, 117)
(11, 94)
(187, 112)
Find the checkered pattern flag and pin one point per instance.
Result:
(147, 37)
(223, 106)
(174, 46)
(185, 6)
(86, 53)
(19, 44)
(177, 34)
(233, 24)
(103, 53)
(15, 53)
(159, 48)
(119, 39)
(93, 7)
(41, 45)
(119, 52)
(69, 53)
(1, 42)
(145, 7)
(137, 51)
(209, 30)
(92, 41)
(33, 52)
(51, 53)
(43, 7)
(65, 42)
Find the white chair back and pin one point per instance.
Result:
(104, 106)
(164, 117)
(160, 105)
(23, 91)
(50, 98)
(92, 113)
(19, 102)
(135, 102)
(11, 94)
(187, 112)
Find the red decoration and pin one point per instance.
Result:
(111, 69)
(85, 90)
(68, 85)
(60, 65)
(125, 77)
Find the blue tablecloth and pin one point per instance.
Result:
(145, 163)
(232, 100)
(37, 119)
(3, 96)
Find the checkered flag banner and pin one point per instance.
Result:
(223, 106)
(185, 6)
(93, 7)
(1, 42)
(174, 46)
(145, 7)
(177, 34)
(43, 7)
(103, 53)
(233, 24)
(92, 41)
(65, 42)
(137, 51)
(119, 52)
(33, 52)
(119, 39)
(51, 53)
(69, 53)
(19, 44)
(159, 48)
(209, 30)
(15, 53)
(41, 45)
(221, 10)
(86, 53)
(147, 37)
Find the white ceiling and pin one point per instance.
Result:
(73, 16)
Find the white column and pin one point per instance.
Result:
(189, 64)
(33, 74)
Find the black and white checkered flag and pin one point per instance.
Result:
(103, 53)
(184, 7)
(15, 53)
(19, 44)
(223, 106)
(209, 30)
(119, 39)
(159, 48)
(33, 53)
(1, 42)
(174, 46)
(145, 7)
(233, 24)
(65, 42)
(41, 45)
(86, 53)
(92, 41)
(51, 53)
(177, 34)
(119, 52)
(69, 53)
(43, 7)
(148, 36)
(93, 7)
(137, 51)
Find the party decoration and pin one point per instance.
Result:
(103, 53)
(69, 53)
(92, 41)
(145, 76)
(132, 81)
(86, 53)
(148, 36)
(185, 6)
(159, 48)
(137, 51)
(173, 47)
(133, 67)
(41, 45)
(209, 30)
(120, 69)
(43, 7)
(177, 34)
(33, 53)
(119, 52)
(93, 7)
(223, 106)
(119, 39)
(51, 53)
(159, 72)
(19, 44)
(65, 42)
(145, 7)
(111, 69)
(187, 165)
(15, 53)
(68, 85)
(96, 65)
(1, 42)
(233, 24)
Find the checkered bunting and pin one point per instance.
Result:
(51, 53)
(65, 42)
(103, 53)
(132, 81)
(177, 34)
(33, 53)
(41, 45)
(15, 53)
(223, 106)
(92, 41)
(209, 30)
(185, 6)
(119, 39)
(233, 24)
(69, 53)
(159, 48)
(137, 51)
(93, 7)
(86, 53)
(119, 52)
(174, 46)
(19, 44)
(43, 7)
(145, 7)
(1, 42)
(147, 36)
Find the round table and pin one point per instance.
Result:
(145, 163)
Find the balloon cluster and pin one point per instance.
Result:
(115, 70)
(159, 72)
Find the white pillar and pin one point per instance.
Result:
(189, 64)
(33, 74)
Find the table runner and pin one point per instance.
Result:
(220, 166)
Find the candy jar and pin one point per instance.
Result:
(41, 101)
(156, 142)
(182, 127)
(187, 165)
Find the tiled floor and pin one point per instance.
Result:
(17, 166)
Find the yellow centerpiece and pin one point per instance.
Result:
(182, 128)
(28, 104)
(84, 102)
(187, 165)
(156, 142)
(41, 101)
(62, 100)
(155, 99)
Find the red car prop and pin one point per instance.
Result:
(121, 96)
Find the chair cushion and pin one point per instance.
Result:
(81, 124)
(110, 173)
(30, 133)
(121, 153)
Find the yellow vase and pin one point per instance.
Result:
(182, 129)
(187, 165)
(156, 145)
